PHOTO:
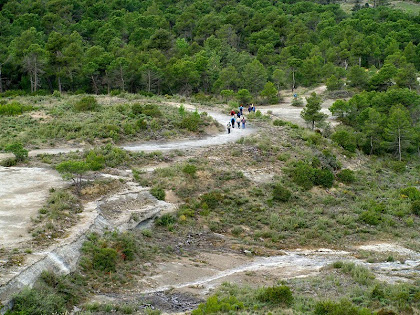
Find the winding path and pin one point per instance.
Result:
(183, 144)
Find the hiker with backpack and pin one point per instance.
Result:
(238, 121)
(232, 121)
(243, 122)
(228, 127)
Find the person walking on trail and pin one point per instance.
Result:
(232, 121)
(238, 114)
(253, 108)
(238, 121)
(249, 109)
(232, 112)
(241, 108)
(228, 126)
(243, 122)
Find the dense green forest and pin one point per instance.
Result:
(185, 47)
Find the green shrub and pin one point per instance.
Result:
(370, 217)
(415, 207)
(398, 166)
(190, 170)
(346, 138)
(276, 295)
(281, 194)
(87, 103)
(303, 175)
(211, 199)
(96, 161)
(297, 102)
(343, 307)
(105, 259)
(18, 150)
(324, 178)
(411, 192)
(215, 305)
(279, 122)
(13, 108)
(165, 220)
(158, 193)
(51, 294)
(150, 110)
(8, 162)
(191, 122)
(346, 176)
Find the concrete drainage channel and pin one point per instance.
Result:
(122, 211)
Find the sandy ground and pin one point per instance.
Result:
(201, 274)
(286, 111)
(22, 193)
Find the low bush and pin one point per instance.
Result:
(303, 175)
(88, 103)
(13, 108)
(415, 207)
(370, 217)
(343, 307)
(190, 170)
(211, 199)
(215, 305)
(411, 192)
(346, 176)
(281, 194)
(276, 295)
(191, 122)
(297, 102)
(165, 220)
(18, 150)
(324, 178)
(8, 162)
(346, 138)
(279, 122)
(51, 294)
(158, 193)
(105, 259)
(150, 110)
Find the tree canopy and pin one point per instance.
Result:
(205, 46)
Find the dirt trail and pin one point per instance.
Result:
(194, 278)
(23, 191)
(209, 270)
(184, 144)
(286, 111)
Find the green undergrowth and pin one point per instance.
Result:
(57, 215)
(114, 259)
(313, 199)
(81, 120)
(341, 289)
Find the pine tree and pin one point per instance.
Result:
(312, 111)
(399, 129)
(373, 127)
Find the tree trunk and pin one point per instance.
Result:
(399, 143)
(149, 80)
(371, 145)
(122, 79)
(35, 76)
(293, 80)
(95, 87)
(346, 65)
(313, 124)
(59, 84)
(360, 61)
(32, 83)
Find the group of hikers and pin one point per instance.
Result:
(238, 117)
